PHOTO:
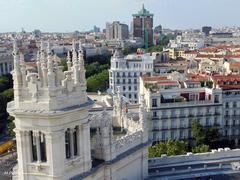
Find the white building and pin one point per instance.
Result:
(183, 42)
(125, 73)
(51, 111)
(175, 104)
(6, 61)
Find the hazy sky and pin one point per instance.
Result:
(70, 15)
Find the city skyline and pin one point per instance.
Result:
(68, 16)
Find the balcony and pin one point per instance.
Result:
(184, 104)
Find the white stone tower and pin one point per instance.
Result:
(51, 117)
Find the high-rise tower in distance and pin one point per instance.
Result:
(143, 26)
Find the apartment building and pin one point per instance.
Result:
(125, 72)
(230, 85)
(174, 104)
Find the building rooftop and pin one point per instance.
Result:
(143, 12)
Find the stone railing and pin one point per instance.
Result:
(127, 142)
(190, 157)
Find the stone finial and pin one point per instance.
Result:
(73, 45)
(69, 64)
(49, 52)
(143, 113)
(16, 58)
(81, 60)
(42, 46)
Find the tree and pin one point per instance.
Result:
(169, 148)
(176, 147)
(198, 132)
(10, 126)
(6, 82)
(213, 136)
(63, 63)
(209, 136)
(95, 68)
(201, 149)
(129, 50)
(98, 82)
(8, 94)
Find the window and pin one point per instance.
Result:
(6, 67)
(129, 81)
(135, 96)
(123, 74)
(67, 144)
(38, 143)
(129, 88)
(34, 147)
(135, 81)
(1, 68)
(124, 81)
(181, 134)
(216, 98)
(163, 135)
(129, 74)
(135, 88)
(234, 104)
(116, 64)
(118, 75)
(75, 143)
(226, 105)
(118, 81)
(154, 114)
(43, 147)
(226, 123)
(207, 121)
(154, 102)
(124, 88)
(164, 124)
(226, 113)
(189, 133)
(130, 96)
(173, 135)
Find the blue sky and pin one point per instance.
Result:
(70, 15)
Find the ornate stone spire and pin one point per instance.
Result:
(69, 64)
(74, 53)
(143, 113)
(15, 55)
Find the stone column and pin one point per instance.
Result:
(23, 149)
(55, 148)
(87, 149)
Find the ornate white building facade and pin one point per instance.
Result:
(51, 111)
(125, 73)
